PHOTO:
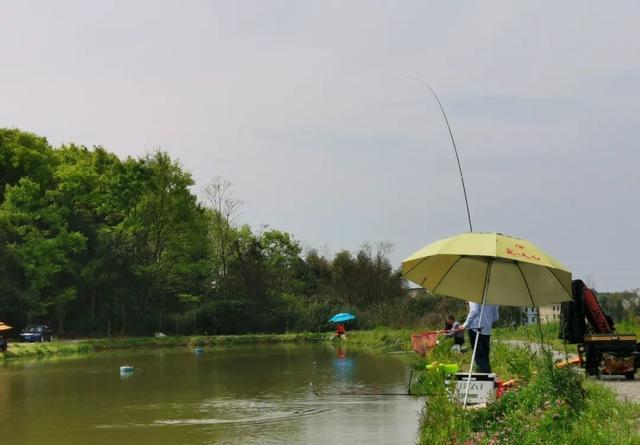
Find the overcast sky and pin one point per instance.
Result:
(307, 108)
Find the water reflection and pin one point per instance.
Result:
(5, 392)
(344, 367)
(125, 375)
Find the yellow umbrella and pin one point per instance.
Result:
(489, 268)
(4, 327)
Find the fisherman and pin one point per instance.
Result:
(341, 331)
(3, 344)
(451, 330)
(482, 329)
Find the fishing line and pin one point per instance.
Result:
(407, 394)
(320, 394)
(453, 141)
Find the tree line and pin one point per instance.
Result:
(621, 305)
(93, 244)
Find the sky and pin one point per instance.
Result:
(309, 109)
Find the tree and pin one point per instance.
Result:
(167, 231)
(316, 274)
(24, 154)
(89, 238)
(43, 248)
(224, 209)
(368, 278)
(281, 254)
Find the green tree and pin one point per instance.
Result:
(316, 274)
(89, 239)
(165, 237)
(282, 259)
(368, 278)
(43, 248)
(24, 154)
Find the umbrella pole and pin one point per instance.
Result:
(546, 352)
(475, 343)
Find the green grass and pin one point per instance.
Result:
(629, 326)
(41, 350)
(549, 406)
(531, 333)
(381, 339)
(551, 331)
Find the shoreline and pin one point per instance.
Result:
(376, 340)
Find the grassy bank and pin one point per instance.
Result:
(377, 340)
(85, 346)
(548, 406)
(531, 333)
(41, 350)
(551, 331)
(381, 339)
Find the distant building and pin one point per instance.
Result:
(548, 314)
(531, 314)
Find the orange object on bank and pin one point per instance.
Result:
(424, 341)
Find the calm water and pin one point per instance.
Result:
(238, 395)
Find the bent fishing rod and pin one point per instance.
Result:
(453, 142)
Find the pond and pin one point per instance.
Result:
(263, 394)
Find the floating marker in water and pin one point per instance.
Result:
(199, 350)
(126, 369)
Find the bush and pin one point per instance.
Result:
(549, 405)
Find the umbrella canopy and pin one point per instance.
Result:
(490, 268)
(342, 317)
(4, 327)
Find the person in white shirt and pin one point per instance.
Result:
(482, 328)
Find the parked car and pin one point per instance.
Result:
(36, 332)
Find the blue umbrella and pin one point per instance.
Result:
(342, 317)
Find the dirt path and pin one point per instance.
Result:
(628, 390)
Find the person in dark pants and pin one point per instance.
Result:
(482, 329)
(482, 352)
(3, 344)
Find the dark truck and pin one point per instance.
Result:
(601, 350)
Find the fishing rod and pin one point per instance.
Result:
(453, 141)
